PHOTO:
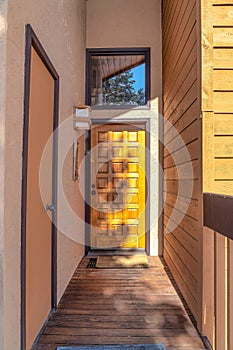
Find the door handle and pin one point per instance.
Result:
(50, 207)
(93, 192)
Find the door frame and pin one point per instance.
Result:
(144, 124)
(32, 41)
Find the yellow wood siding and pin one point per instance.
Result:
(182, 110)
(218, 81)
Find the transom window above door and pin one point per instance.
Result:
(118, 77)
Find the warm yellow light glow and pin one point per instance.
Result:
(121, 188)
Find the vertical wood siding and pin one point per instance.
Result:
(181, 99)
(220, 290)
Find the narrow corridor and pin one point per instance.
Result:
(120, 306)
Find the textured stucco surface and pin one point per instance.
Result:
(134, 23)
(131, 23)
(3, 33)
(60, 26)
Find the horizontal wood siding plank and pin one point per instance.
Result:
(223, 102)
(186, 101)
(173, 71)
(187, 58)
(181, 266)
(223, 37)
(181, 281)
(223, 146)
(223, 15)
(223, 80)
(170, 20)
(223, 187)
(191, 151)
(176, 125)
(172, 27)
(182, 187)
(186, 25)
(169, 7)
(184, 171)
(187, 260)
(223, 169)
(186, 240)
(223, 124)
(183, 138)
(182, 146)
(223, 58)
(179, 247)
(181, 90)
(222, 2)
(187, 223)
(185, 205)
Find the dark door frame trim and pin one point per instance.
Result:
(145, 125)
(33, 41)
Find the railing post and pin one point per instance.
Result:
(221, 291)
(230, 294)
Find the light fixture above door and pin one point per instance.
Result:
(81, 118)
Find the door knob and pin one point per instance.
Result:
(50, 207)
(93, 192)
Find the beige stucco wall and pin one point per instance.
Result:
(3, 29)
(60, 26)
(133, 23)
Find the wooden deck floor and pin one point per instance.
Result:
(120, 306)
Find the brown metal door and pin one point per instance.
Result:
(38, 224)
(117, 187)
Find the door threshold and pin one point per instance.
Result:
(105, 252)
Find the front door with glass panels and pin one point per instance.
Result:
(118, 187)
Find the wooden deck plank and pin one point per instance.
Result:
(120, 306)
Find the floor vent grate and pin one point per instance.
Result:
(92, 263)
